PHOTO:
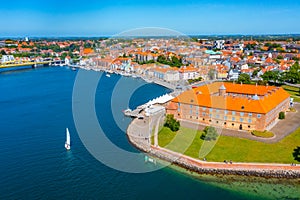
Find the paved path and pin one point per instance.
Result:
(288, 125)
(140, 130)
(280, 130)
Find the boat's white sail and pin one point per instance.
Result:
(68, 140)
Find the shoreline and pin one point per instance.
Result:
(171, 86)
(265, 170)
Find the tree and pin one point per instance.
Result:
(172, 123)
(3, 52)
(293, 75)
(255, 72)
(296, 154)
(271, 76)
(176, 62)
(279, 57)
(209, 133)
(244, 78)
(281, 115)
(261, 82)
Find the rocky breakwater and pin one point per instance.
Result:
(215, 168)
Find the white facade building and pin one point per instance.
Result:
(219, 44)
(7, 58)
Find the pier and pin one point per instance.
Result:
(31, 63)
(150, 108)
(133, 113)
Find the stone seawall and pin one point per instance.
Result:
(228, 169)
(215, 168)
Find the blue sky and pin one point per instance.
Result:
(96, 17)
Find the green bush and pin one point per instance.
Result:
(263, 134)
(281, 115)
(209, 133)
(172, 123)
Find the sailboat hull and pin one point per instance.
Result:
(68, 147)
(68, 140)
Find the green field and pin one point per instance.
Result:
(230, 148)
(293, 91)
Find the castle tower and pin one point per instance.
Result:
(222, 90)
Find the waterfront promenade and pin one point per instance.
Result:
(139, 134)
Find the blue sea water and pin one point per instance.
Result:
(36, 107)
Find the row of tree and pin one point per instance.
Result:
(291, 76)
(173, 62)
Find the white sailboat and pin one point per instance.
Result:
(68, 140)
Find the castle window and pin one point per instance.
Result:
(233, 112)
(241, 114)
(249, 126)
(232, 124)
(249, 120)
(233, 118)
(225, 123)
(203, 119)
(225, 117)
(241, 119)
(250, 114)
(258, 116)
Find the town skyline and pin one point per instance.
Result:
(105, 18)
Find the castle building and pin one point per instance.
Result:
(231, 105)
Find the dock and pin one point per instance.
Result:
(133, 113)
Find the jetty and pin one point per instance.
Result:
(148, 108)
(133, 113)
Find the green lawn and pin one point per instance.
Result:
(293, 91)
(230, 148)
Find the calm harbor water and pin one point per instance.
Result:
(36, 107)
